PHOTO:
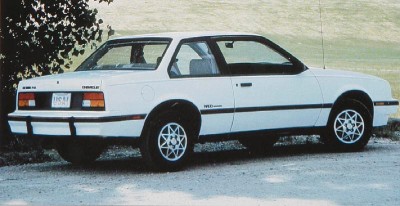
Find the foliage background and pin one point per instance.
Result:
(39, 37)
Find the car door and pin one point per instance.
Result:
(196, 76)
(272, 90)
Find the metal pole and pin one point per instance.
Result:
(322, 34)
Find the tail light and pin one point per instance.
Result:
(26, 100)
(93, 100)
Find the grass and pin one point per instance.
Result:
(360, 35)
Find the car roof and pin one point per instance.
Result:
(185, 35)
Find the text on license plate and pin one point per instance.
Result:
(61, 100)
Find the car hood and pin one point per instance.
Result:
(76, 81)
(318, 72)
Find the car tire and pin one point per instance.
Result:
(260, 144)
(168, 142)
(349, 127)
(80, 152)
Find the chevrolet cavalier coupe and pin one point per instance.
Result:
(167, 92)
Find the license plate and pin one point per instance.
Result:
(61, 100)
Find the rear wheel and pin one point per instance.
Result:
(260, 144)
(168, 143)
(349, 127)
(80, 152)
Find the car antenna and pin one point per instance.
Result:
(322, 34)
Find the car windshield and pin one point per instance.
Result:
(126, 55)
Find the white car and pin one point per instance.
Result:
(169, 91)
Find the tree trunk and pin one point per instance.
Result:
(1, 76)
(3, 118)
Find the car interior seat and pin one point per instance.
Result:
(200, 67)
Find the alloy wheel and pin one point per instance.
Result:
(349, 126)
(172, 141)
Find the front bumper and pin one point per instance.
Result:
(105, 126)
(382, 111)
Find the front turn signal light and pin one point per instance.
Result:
(26, 100)
(93, 100)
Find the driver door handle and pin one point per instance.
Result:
(247, 84)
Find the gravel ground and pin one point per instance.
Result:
(219, 173)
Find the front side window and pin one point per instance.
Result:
(134, 55)
(194, 59)
(253, 58)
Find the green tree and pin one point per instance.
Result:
(39, 37)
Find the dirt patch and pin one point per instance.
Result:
(8, 158)
(390, 131)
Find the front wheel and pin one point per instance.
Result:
(168, 143)
(349, 127)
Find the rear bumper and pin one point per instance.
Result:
(106, 126)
